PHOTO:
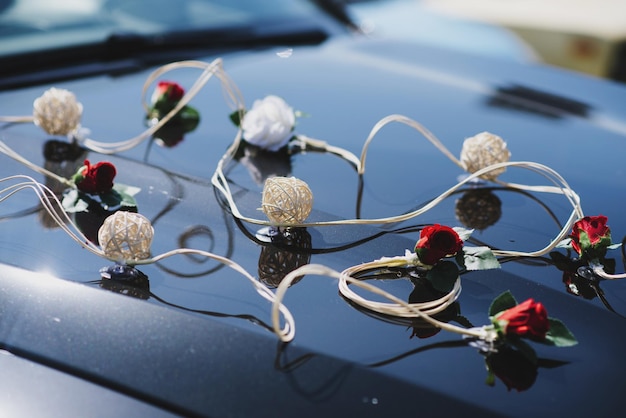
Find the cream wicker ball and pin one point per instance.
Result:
(483, 150)
(126, 236)
(57, 111)
(286, 200)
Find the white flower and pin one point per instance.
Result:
(269, 123)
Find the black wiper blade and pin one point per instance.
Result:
(125, 52)
(121, 45)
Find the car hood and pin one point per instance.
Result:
(197, 341)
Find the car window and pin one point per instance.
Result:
(30, 25)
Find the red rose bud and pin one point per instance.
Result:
(437, 242)
(591, 236)
(529, 319)
(168, 91)
(97, 178)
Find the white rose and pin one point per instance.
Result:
(269, 123)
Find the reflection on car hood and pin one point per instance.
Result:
(573, 124)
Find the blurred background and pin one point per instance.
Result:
(587, 36)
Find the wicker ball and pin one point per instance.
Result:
(126, 236)
(57, 111)
(483, 150)
(286, 200)
(478, 209)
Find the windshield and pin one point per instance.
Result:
(37, 25)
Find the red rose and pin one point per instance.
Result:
(437, 242)
(168, 91)
(591, 236)
(529, 319)
(97, 178)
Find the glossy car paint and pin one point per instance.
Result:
(196, 343)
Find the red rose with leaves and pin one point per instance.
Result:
(166, 96)
(95, 179)
(591, 236)
(529, 319)
(436, 242)
(169, 91)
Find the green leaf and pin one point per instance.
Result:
(120, 196)
(443, 275)
(490, 380)
(559, 335)
(111, 199)
(566, 243)
(480, 258)
(189, 118)
(126, 194)
(126, 189)
(235, 117)
(501, 303)
(463, 233)
(72, 202)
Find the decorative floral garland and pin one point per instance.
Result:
(125, 237)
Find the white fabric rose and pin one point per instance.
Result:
(269, 123)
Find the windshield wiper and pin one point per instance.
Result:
(122, 53)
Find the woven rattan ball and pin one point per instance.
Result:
(286, 200)
(483, 150)
(57, 111)
(126, 236)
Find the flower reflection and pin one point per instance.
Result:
(171, 134)
(579, 280)
(61, 158)
(423, 291)
(90, 221)
(263, 164)
(513, 368)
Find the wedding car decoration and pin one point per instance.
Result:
(517, 323)
(164, 100)
(440, 254)
(95, 190)
(591, 239)
(286, 200)
(269, 124)
(126, 237)
(483, 150)
(510, 325)
(57, 112)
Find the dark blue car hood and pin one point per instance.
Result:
(201, 330)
